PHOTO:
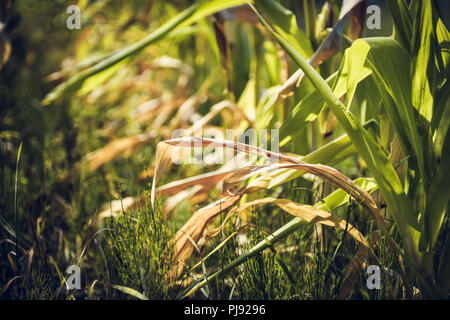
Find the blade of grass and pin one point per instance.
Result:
(16, 215)
(130, 291)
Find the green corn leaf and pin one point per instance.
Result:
(307, 110)
(309, 8)
(437, 200)
(271, 62)
(422, 65)
(390, 65)
(402, 22)
(442, 94)
(265, 107)
(285, 23)
(376, 160)
(351, 73)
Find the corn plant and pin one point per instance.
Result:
(410, 72)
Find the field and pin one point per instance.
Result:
(232, 150)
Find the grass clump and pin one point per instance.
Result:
(140, 248)
(266, 276)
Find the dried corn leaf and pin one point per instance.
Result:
(168, 151)
(196, 225)
(206, 181)
(118, 148)
(305, 212)
(319, 170)
(165, 152)
(194, 229)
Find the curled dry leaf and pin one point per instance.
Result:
(319, 170)
(169, 151)
(198, 186)
(195, 228)
(303, 211)
(127, 146)
(166, 151)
